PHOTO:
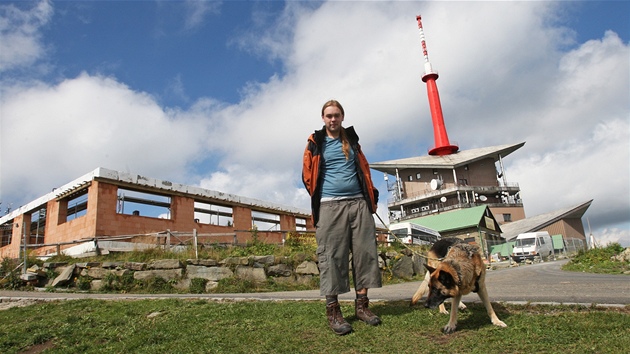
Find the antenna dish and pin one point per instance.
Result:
(436, 184)
(443, 199)
(483, 198)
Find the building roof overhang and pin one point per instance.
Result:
(536, 223)
(451, 161)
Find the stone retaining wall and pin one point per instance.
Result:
(257, 269)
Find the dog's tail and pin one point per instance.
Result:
(422, 289)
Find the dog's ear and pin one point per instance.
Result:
(446, 279)
(429, 268)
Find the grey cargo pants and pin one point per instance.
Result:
(346, 226)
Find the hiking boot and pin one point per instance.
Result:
(363, 313)
(335, 319)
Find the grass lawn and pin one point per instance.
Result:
(199, 326)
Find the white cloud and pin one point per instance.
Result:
(607, 236)
(50, 133)
(505, 77)
(498, 87)
(20, 43)
(196, 12)
(259, 184)
(593, 168)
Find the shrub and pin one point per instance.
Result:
(123, 283)
(158, 285)
(198, 285)
(84, 282)
(10, 275)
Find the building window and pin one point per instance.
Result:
(6, 231)
(418, 175)
(77, 205)
(300, 224)
(136, 203)
(507, 217)
(213, 214)
(265, 221)
(38, 226)
(410, 178)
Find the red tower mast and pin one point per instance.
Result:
(442, 145)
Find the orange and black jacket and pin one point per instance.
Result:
(313, 166)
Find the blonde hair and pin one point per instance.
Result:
(345, 144)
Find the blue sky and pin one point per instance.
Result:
(223, 94)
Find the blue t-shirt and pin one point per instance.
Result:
(340, 175)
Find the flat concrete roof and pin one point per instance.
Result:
(155, 184)
(451, 161)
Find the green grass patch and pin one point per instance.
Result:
(599, 260)
(199, 326)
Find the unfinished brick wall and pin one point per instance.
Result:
(102, 219)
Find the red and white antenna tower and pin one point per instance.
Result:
(442, 145)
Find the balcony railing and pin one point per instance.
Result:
(446, 190)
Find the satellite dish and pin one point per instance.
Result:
(443, 199)
(436, 184)
(483, 198)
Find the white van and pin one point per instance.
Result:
(413, 233)
(532, 245)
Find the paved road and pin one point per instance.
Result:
(535, 283)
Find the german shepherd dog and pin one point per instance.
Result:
(461, 271)
(437, 252)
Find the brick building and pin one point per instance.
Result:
(106, 204)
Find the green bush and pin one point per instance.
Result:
(158, 285)
(7, 266)
(122, 283)
(9, 275)
(84, 282)
(198, 285)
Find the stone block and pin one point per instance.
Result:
(210, 273)
(96, 285)
(257, 275)
(266, 260)
(166, 274)
(64, 277)
(165, 264)
(279, 270)
(211, 285)
(307, 268)
(203, 262)
(97, 273)
(234, 261)
(418, 264)
(403, 268)
(135, 265)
